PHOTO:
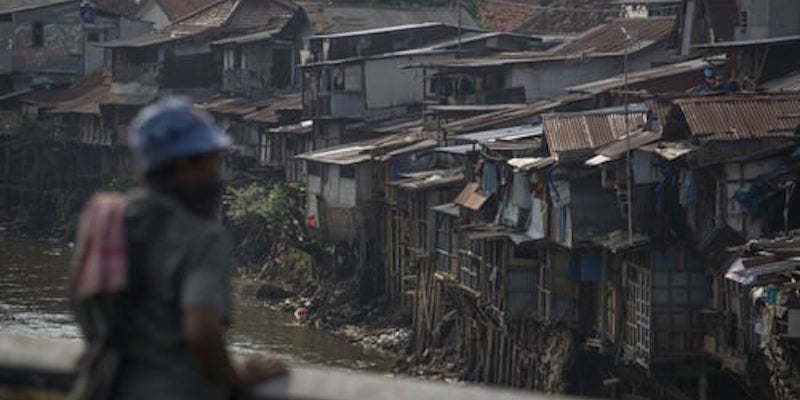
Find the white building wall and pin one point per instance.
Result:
(330, 184)
(347, 192)
(152, 12)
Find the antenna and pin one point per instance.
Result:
(629, 165)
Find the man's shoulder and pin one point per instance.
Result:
(147, 205)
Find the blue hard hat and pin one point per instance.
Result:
(170, 129)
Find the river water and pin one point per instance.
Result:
(33, 303)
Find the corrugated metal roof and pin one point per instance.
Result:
(334, 18)
(429, 179)
(510, 117)
(609, 38)
(530, 163)
(375, 31)
(87, 103)
(249, 38)
(355, 153)
(302, 128)
(234, 105)
(616, 149)
(512, 133)
(587, 131)
(459, 149)
(272, 113)
(739, 117)
(669, 150)
(619, 147)
(635, 78)
(150, 39)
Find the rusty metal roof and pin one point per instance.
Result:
(499, 119)
(609, 38)
(739, 117)
(636, 78)
(274, 106)
(568, 132)
(87, 103)
(616, 149)
(233, 105)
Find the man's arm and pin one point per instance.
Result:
(204, 339)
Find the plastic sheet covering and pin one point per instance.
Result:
(521, 191)
(536, 221)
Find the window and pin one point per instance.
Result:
(743, 19)
(6, 18)
(37, 34)
(229, 59)
(93, 37)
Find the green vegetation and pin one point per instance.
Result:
(269, 223)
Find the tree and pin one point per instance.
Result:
(270, 219)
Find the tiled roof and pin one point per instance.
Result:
(51, 97)
(610, 39)
(329, 19)
(506, 16)
(177, 9)
(127, 8)
(570, 16)
(738, 117)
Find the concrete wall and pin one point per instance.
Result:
(152, 12)
(769, 18)
(62, 49)
(547, 79)
(757, 20)
(68, 45)
(784, 18)
(388, 85)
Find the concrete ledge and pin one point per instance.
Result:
(50, 364)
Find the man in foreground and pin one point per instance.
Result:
(151, 277)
